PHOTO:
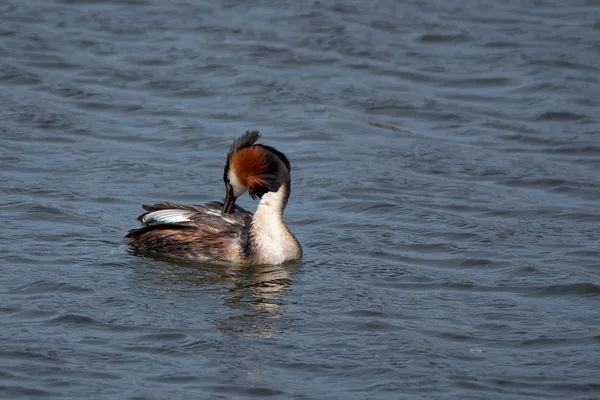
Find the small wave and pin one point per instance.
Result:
(575, 150)
(577, 290)
(561, 64)
(501, 45)
(16, 76)
(557, 116)
(478, 82)
(18, 391)
(73, 319)
(556, 342)
(40, 287)
(444, 38)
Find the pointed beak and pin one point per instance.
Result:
(229, 202)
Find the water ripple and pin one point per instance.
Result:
(445, 192)
(41, 287)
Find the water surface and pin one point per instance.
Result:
(445, 190)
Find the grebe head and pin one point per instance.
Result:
(253, 167)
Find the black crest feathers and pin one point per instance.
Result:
(246, 140)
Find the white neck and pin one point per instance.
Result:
(272, 242)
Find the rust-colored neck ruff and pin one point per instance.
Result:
(247, 165)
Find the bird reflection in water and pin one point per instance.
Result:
(255, 292)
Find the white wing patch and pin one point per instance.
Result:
(219, 214)
(177, 216)
(213, 212)
(172, 216)
(227, 219)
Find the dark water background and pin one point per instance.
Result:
(446, 186)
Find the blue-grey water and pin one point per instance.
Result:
(446, 191)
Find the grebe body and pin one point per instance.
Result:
(224, 231)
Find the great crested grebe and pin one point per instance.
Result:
(224, 231)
